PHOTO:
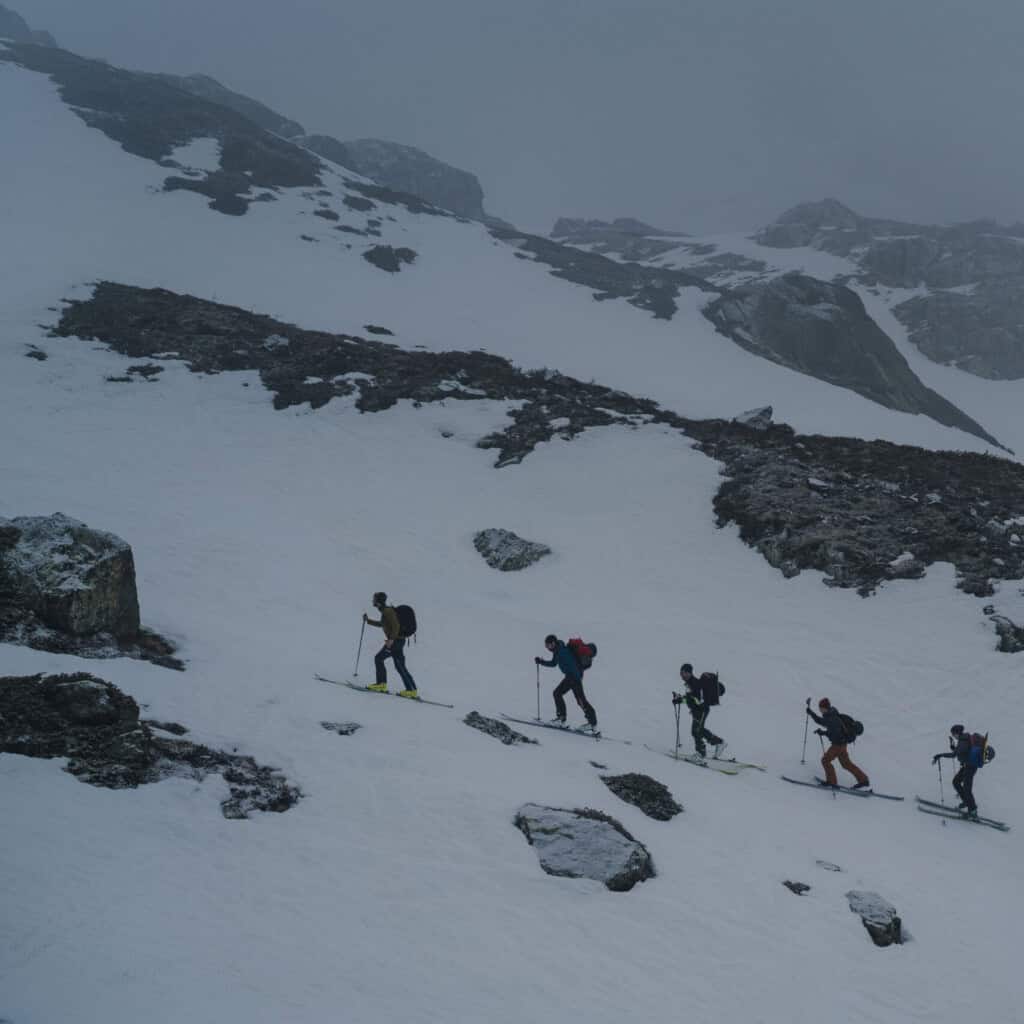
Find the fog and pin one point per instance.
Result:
(699, 115)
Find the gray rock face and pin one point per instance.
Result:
(499, 730)
(756, 419)
(13, 26)
(972, 314)
(651, 796)
(879, 917)
(388, 258)
(96, 727)
(623, 237)
(585, 844)
(508, 552)
(823, 330)
(1011, 636)
(406, 169)
(76, 579)
(208, 88)
(797, 887)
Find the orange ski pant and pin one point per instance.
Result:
(837, 752)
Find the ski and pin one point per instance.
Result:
(697, 762)
(739, 764)
(562, 728)
(944, 810)
(869, 791)
(959, 816)
(366, 689)
(827, 789)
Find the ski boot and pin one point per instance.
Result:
(410, 694)
(378, 687)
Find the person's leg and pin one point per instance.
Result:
(958, 783)
(581, 699)
(697, 732)
(844, 760)
(826, 762)
(398, 655)
(968, 788)
(559, 693)
(378, 659)
(705, 733)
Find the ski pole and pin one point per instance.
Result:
(676, 708)
(807, 720)
(942, 798)
(538, 693)
(359, 649)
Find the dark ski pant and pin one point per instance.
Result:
(576, 686)
(838, 752)
(701, 735)
(963, 783)
(397, 653)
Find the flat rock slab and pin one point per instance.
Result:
(499, 730)
(651, 796)
(585, 844)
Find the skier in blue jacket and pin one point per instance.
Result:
(564, 659)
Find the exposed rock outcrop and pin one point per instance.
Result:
(651, 796)
(823, 330)
(971, 312)
(150, 118)
(755, 419)
(585, 844)
(96, 727)
(624, 237)
(879, 916)
(499, 730)
(508, 552)
(797, 887)
(406, 169)
(13, 26)
(388, 258)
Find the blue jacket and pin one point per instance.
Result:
(566, 661)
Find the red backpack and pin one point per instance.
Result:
(583, 652)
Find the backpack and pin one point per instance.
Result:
(406, 621)
(852, 728)
(583, 652)
(710, 687)
(980, 753)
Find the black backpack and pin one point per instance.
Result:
(406, 621)
(711, 688)
(851, 727)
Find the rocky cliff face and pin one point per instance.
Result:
(972, 311)
(13, 26)
(823, 330)
(624, 237)
(406, 169)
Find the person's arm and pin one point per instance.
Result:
(390, 625)
(546, 664)
(369, 621)
(820, 721)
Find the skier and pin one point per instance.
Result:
(971, 756)
(564, 659)
(699, 700)
(837, 737)
(394, 648)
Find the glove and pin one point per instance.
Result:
(935, 758)
(807, 710)
(677, 698)
(819, 732)
(536, 661)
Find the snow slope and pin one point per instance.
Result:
(398, 889)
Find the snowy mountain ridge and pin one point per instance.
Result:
(201, 384)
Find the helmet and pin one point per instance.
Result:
(824, 704)
(686, 667)
(956, 729)
(380, 599)
(550, 639)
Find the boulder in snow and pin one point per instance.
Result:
(879, 917)
(504, 550)
(798, 887)
(585, 844)
(651, 796)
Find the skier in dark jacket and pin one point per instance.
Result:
(394, 648)
(564, 659)
(970, 758)
(833, 728)
(699, 702)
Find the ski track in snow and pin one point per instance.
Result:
(398, 888)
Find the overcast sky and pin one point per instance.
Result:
(700, 115)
